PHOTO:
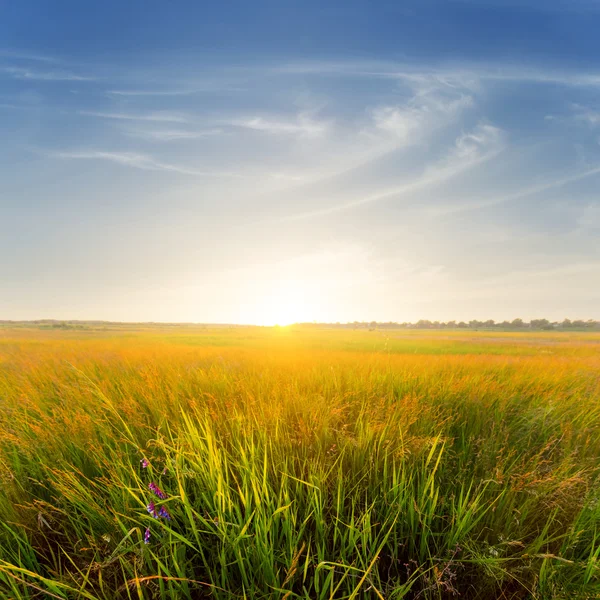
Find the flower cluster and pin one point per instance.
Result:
(160, 512)
(156, 490)
(164, 513)
(157, 512)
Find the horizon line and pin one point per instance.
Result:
(427, 323)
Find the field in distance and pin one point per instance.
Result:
(289, 462)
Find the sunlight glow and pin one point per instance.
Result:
(285, 304)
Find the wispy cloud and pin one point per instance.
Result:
(468, 74)
(135, 93)
(424, 112)
(525, 192)
(304, 125)
(158, 116)
(577, 113)
(25, 73)
(138, 161)
(470, 150)
(165, 87)
(577, 79)
(29, 56)
(169, 135)
(587, 115)
(478, 143)
(357, 143)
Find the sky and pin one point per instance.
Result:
(276, 161)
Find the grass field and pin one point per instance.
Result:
(299, 464)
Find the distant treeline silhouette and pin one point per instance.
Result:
(515, 324)
(490, 324)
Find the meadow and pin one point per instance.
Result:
(293, 463)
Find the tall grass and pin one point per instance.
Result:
(299, 465)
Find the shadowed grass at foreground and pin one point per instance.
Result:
(299, 465)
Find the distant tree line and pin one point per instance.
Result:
(490, 324)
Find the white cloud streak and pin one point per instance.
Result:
(519, 194)
(303, 125)
(138, 161)
(462, 75)
(424, 113)
(25, 73)
(142, 93)
(169, 135)
(158, 117)
(471, 150)
(28, 56)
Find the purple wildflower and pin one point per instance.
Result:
(152, 510)
(164, 513)
(147, 536)
(145, 463)
(156, 490)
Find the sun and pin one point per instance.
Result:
(286, 304)
(287, 315)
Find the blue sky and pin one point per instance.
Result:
(274, 161)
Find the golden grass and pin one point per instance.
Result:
(300, 464)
